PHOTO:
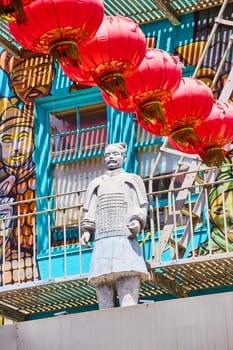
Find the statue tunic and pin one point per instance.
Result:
(112, 201)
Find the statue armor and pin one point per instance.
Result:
(112, 201)
(108, 223)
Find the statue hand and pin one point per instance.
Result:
(134, 227)
(85, 239)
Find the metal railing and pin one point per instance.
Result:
(78, 142)
(53, 251)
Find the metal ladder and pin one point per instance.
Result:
(195, 165)
(219, 21)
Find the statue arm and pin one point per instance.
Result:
(139, 202)
(138, 206)
(88, 222)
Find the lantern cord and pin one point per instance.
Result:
(13, 12)
(113, 84)
(214, 156)
(186, 136)
(152, 111)
(65, 48)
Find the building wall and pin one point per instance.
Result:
(203, 323)
(23, 81)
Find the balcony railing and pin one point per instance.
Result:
(54, 250)
(79, 142)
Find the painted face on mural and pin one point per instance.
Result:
(221, 220)
(16, 145)
(32, 78)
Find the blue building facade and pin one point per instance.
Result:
(52, 137)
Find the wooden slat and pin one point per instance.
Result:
(178, 279)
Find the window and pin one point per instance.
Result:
(70, 136)
(77, 131)
(70, 178)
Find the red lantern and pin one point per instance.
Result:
(115, 51)
(58, 27)
(150, 85)
(214, 133)
(76, 74)
(13, 10)
(190, 104)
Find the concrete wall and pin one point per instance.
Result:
(198, 323)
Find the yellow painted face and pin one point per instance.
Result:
(222, 213)
(32, 78)
(16, 145)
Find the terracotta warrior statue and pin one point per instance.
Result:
(115, 211)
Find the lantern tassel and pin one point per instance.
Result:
(16, 7)
(113, 84)
(185, 136)
(214, 156)
(152, 111)
(65, 48)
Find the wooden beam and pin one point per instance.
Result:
(12, 314)
(7, 45)
(168, 11)
(160, 280)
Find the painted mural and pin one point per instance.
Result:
(27, 79)
(190, 53)
(220, 202)
(220, 196)
(24, 80)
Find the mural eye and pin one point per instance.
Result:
(23, 136)
(218, 211)
(6, 140)
(19, 78)
(41, 71)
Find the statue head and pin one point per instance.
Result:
(115, 155)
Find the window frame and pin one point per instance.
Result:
(43, 108)
(42, 155)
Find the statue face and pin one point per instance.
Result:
(113, 157)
